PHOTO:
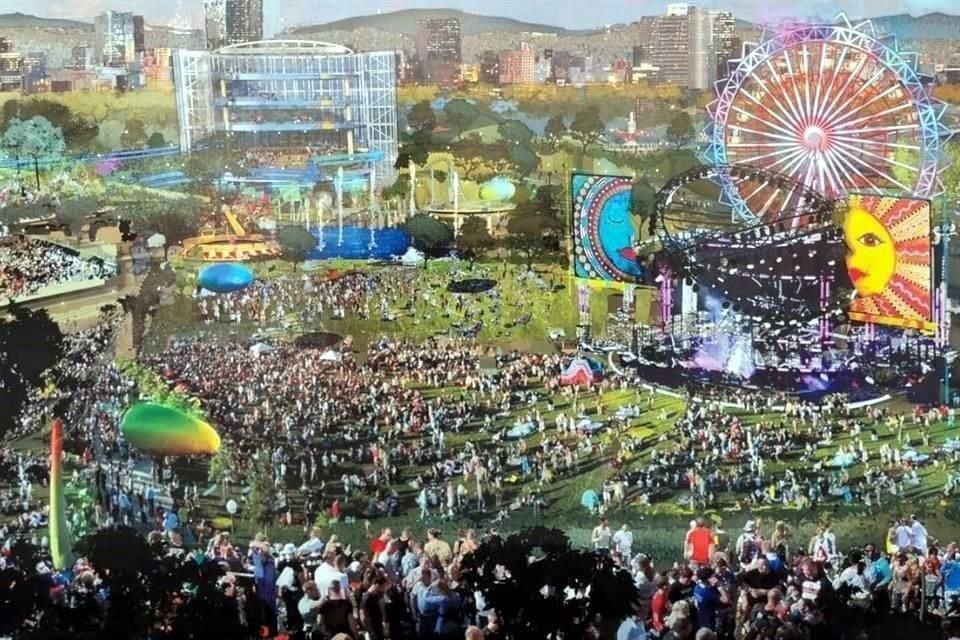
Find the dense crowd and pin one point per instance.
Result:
(29, 265)
(424, 428)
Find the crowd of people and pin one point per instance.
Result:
(424, 429)
(29, 265)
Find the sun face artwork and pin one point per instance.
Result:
(889, 260)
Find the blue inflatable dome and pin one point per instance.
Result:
(225, 277)
(356, 245)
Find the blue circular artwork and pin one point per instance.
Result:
(226, 277)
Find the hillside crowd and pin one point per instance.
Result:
(29, 265)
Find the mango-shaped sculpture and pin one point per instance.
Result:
(164, 431)
(497, 190)
(226, 277)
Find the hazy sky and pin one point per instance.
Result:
(574, 14)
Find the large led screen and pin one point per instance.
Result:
(889, 260)
(603, 231)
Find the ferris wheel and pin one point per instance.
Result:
(834, 107)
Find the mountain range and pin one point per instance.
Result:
(934, 26)
(406, 22)
(24, 21)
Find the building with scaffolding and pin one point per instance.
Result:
(291, 95)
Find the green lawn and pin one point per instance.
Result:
(659, 528)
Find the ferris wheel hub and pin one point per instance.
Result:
(814, 138)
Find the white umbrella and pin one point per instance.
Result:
(156, 241)
(261, 347)
(330, 356)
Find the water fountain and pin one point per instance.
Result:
(338, 184)
(373, 209)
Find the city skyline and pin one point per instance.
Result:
(558, 13)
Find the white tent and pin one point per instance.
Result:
(330, 356)
(156, 241)
(261, 347)
(412, 256)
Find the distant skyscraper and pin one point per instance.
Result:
(490, 67)
(517, 67)
(439, 39)
(244, 21)
(11, 67)
(691, 45)
(232, 22)
(215, 23)
(138, 46)
(115, 36)
(703, 60)
(671, 48)
(81, 57)
(725, 43)
(438, 48)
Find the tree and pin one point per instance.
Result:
(30, 343)
(35, 138)
(532, 233)
(259, 506)
(555, 130)
(680, 130)
(78, 131)
(296, 243)
(399, 189)
(587, 127)
(643, 199)
(156, 140)
(525, 160)
(428, 234)
(416, 147)
(421, 117)
(515, 132)
(459, 114)
(134, 135)
(474, 239)
(73, 213)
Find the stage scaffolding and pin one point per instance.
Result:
(290, 94)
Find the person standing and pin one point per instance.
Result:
(373, 610)
(699, 545)
(623, 542)
(601, 538)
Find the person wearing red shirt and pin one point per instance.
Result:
(378, 544)
(660, 607)
(699, 544)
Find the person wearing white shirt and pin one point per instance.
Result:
(328, 571)
(313, 545)
(903, 536)
(623, 542)
(918, 536)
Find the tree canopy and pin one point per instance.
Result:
(587, 127)
(427, 233)
(531, 232)
(35, 138)
(555, 129)
(296, 243)
(680, 130)
(474, 239)
(421, 117)
(30, 343)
